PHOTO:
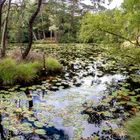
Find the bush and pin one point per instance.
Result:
(133, 127)
(11, 71)
(52, 65)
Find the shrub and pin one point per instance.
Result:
(133, 127)
(53, 65)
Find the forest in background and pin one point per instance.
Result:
(66, 21)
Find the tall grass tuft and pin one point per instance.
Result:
(7, 70)
(53, 65)
(133, 127)
(27, 71)
(11, 71)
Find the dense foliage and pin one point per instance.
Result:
(117, 25)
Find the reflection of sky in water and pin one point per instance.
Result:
(62, 109)
(66, 105)
(63, 100)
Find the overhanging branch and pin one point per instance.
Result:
(115, 34)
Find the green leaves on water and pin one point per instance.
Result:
(135, 77)
(40, 131)
(38, 124)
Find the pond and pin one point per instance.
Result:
(63, 108)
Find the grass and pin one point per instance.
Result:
(11, 71)
(133, 127)
(7, 70)
(27, 71)
(53, 65)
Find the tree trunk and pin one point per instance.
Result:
(34, 36)
(30, 30)
(44, 35)
(20, 32)
(1, 6)
(72, 15)
(4, 33)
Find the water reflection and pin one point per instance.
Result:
(60, 111)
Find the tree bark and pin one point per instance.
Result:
(30, 30)
(1, 7)
(4, 32)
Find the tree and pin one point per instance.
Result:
(111, 23)
(132, 11)
(30, 29)
(1, 7)
(4, 32)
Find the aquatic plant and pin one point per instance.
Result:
(53, 65)
(7, 70)
(27, 71)
(11, 71)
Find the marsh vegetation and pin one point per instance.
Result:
(69, 71)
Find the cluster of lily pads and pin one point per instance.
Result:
(120, 101)
(120, 104)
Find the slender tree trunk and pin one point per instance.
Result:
(4, 33)
(34, 36)
(51, 35)
(30, 30)
(1, 6)
(20, 32)
(44, 36)
(56, 34)
(72, 15)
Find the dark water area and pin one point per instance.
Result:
(68, 108)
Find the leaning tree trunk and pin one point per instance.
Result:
(4, 32)
(30, 30)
